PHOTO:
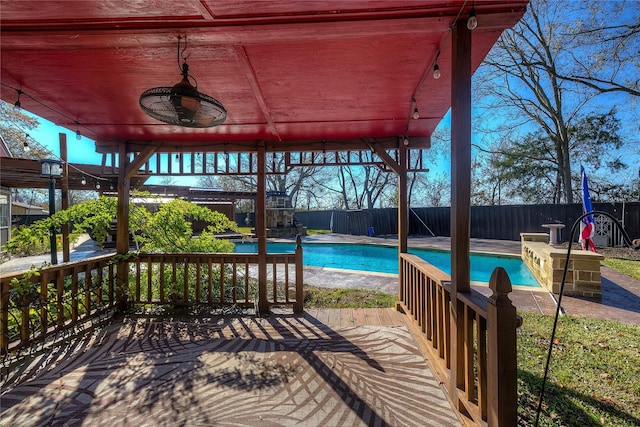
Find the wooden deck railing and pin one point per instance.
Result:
(40, 303)
(188, 279)
(485, 390)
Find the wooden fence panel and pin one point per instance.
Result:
(487, 222)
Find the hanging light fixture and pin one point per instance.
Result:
(416, 114)
(84, 180)
(472, 22)
(436, 72)
(78, 134)
(436, 67)
(17, 106)
(182, 104)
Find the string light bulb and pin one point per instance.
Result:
(26, 147)
(78, 134)
(97, 185)
(83, 181)
(436, 71)
(17, 106)
(472, 22)
(416, 114)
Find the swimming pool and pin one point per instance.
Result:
(383, 259)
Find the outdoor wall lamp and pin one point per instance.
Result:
(52, 169)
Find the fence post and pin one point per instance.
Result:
(502, 396)
(299, 305)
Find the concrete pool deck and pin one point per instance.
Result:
(620, 293)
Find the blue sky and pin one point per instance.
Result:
(81, 151)
(78, 151)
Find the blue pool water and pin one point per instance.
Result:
(383, 259)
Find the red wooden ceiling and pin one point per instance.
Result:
(285, 71)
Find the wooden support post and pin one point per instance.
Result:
(299, 305)
(403, 214)
(122, 231)
(261, 231)
(64, 187)
(460, 195)
(403, 204)
(502, 373)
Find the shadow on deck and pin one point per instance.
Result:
(320, 368)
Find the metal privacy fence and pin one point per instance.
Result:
(487, 222)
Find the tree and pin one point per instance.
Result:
(612, 31)
(167, 230)
(294, 182)
(524, 83)
(526, 168)
(15, 126)
(362, 187)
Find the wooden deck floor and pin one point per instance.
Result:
(323, 368)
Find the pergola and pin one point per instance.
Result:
(294, 77)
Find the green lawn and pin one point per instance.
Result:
(626, 266)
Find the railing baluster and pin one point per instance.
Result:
(112, 279)
(286, 279)
(210, 280)
(185, 281)
(44, 305)
(87, 288)
(246, 279)
(59, 281)
(274, 272)
(100, 282)
(138, 280)
(234, 279)
(162, 281)
(74, 296)
(469, 375)
(222, 281)
(481, 333)
(198, 279)
(149, 281)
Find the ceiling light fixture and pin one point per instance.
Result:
(472, 22)
(182, 104)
